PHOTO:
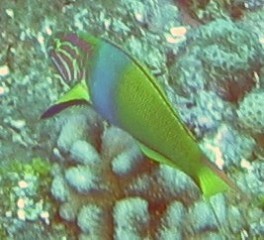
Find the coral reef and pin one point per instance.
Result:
(250, 111)
(209, 10)
(234, 145)
(25, 192)
(105, 185)
(116, 182)
(253, 4)
(123, 195)
(204, 112)
(226, 55)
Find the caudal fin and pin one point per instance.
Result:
(212, 180)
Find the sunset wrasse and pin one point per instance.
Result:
(124, 93)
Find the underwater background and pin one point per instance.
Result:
(75, 177)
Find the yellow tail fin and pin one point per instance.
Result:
(212, 180)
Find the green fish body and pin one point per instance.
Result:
(123, 92)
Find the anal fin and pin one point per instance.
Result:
(152, 154)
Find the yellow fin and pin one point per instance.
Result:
(212, 180)
(155, 155)
(209, 179)
(210, 183)
(78, 95)
(79, 91)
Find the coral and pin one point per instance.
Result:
(235, 217)
(155, 14)
(82, 178)
(228, 55)
(173, 219)
(250, 111)
(257, 228)
(182, 71)
(131, 219)
(208, 10)
(255, 22)
(84, 153)
(175, 182)
(204, 112)
(152, 56)
(213, 10)
(253, 4)
(261, 77)
(90, 220)
(25, 188)
(126, 178)
(125, 162)
(227, 146)
(220, 208)
(203, 217)
(59, 189)
(126, 196)
(68, 212)
(252, 182)
(120, 175)
(84, 131)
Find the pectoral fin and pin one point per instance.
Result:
(78, 95)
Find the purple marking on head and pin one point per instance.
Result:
(70, 57)
(75, 40)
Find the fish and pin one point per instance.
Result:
(124, 92)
